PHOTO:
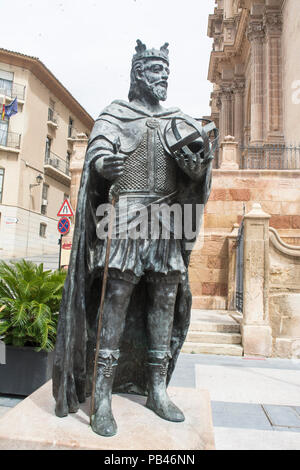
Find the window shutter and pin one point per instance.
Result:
(4, 75)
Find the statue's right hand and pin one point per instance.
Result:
(111, 167)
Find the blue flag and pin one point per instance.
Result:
(11, 108)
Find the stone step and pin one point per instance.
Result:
(213, 337)
(238, 317)
(214, 327)
(211, 348)
(214, 320)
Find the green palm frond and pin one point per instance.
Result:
(20, 310)
(4, 326)
(31, 298)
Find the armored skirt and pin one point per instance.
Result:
(143, 243)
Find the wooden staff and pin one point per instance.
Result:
(116, 147)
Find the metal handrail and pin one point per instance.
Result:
(267, 157)
(270, 157)
(15, 91)
(52, 115)
(73, 132)
(10, 139)
(57, 162)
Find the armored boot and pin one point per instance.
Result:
(158, 399)
(102, 421)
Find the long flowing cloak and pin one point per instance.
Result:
(74, 351)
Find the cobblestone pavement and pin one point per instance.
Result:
(255, 402)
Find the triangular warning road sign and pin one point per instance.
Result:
(65, 210)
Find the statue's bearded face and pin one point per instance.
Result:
(153, 78)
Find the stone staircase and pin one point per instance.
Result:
(214, 332)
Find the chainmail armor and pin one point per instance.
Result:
(135, 177)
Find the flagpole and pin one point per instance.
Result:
(3, 137)
(3, 108)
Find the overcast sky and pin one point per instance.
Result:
(88, 45)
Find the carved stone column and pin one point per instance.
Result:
(219, 108)
(273, 28)
(238, 90)
(228, 8)
(256, 330)
(256, 36)
(226, 111)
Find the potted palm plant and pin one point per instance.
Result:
(29, 304)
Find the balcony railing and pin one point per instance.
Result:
(72, 132)
(52, 116)
(10, 139)
(270, 157)
(57, 162)
(13, 91)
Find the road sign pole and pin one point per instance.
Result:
(60, 243)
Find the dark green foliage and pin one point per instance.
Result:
(29, 304)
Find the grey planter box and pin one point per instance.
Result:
(25, 370)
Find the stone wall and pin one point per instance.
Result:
(233, 192)
(284, 296)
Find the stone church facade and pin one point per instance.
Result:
(255, 70)
(255, 103)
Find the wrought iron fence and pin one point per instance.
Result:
(13, 90)
(57, 162)
(10, 139)
(239, 291)
(270, 157)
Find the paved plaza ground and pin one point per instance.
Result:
(255, 402)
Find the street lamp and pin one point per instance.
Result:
(38, 179)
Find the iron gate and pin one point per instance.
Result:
(239, 269)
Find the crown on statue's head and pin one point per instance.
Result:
(143, 53)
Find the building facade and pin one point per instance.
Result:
(251, 250)
(256, 75)
(36, 147)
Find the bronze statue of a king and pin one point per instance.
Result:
(143, 157)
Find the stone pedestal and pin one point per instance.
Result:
(33, 425)
(256, 330)
(229, 160)
(257, 340)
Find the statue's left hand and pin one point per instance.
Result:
(194, 166)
